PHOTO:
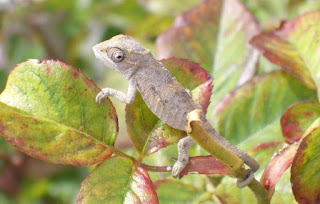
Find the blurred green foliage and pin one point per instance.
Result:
(66, 30)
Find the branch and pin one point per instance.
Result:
(156, 168)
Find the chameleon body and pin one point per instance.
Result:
(162, 93)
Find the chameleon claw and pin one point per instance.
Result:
(97, 99)
(177, 168)
(101, 95)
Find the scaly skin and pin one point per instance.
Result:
(163, 94)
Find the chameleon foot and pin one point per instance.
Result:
(247, 181)
(183, 156)
(178, 167)
(101, 95)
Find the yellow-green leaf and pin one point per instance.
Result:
(251, 114)
(48, 111)
(295, 47)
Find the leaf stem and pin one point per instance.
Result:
(145, 166)
(118, 152)
(259, 191)
(155, 168)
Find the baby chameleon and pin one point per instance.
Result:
(162, 93)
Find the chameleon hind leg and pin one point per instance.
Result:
(184, 145)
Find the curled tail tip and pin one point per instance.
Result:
(241, 183)
(254, 166)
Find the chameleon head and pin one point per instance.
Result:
(122, 54)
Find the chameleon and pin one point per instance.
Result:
(162, 93)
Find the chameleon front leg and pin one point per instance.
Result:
(184, 145)
(128, 99)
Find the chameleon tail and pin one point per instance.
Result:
(252, 163)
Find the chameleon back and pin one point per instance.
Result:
(164, 95)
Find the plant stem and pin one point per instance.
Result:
(145, 166)
(155, 168)
(259, 192)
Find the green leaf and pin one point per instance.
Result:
(294, 47)
(297, 120)
(48, 111)
(305, 169)
(117, 180)
(215, 33)
(250, 115)
(173, 191)
(146, 131)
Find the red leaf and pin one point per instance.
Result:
(205, 165)
(277, 166)
(297, 120)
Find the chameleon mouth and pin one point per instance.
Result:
(101, 54)
(96, 50)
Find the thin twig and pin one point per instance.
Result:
(156, 168)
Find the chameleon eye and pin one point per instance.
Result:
(115, 54)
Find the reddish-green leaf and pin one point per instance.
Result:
(305, 171)
(205, 165)
(146, 131)
(50, 141)
(117, 180)
(250, 114)
(295, 47)
(215, 33)
(48, 111)
(297, 120)
(192, 77)
(277, 166)
(197, 165)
